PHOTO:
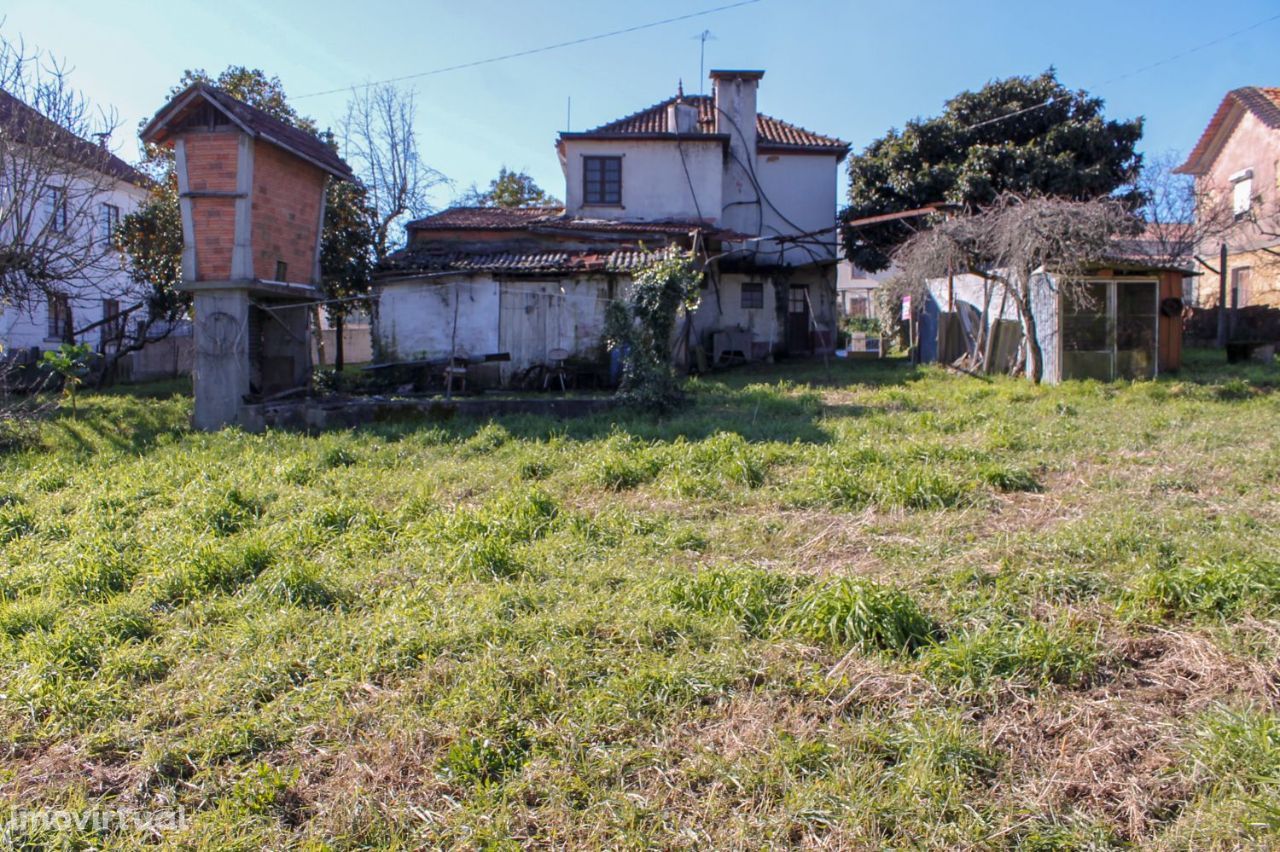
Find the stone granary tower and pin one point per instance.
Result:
(251, 189)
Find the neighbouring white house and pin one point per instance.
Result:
(856, 290)
(70, 212)
(753, 196)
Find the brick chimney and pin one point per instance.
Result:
(734, 96)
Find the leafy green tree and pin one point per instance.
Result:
(347, 256)
(1024, 135)
(511, 189)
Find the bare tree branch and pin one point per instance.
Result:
(1013, 243)
(379, 141)
(56, 172)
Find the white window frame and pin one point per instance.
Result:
(1242, 193)
(57, 200)
(109, 222)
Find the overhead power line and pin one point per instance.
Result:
(534, 50)
(1175, 57)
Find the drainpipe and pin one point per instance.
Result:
(1222, 296)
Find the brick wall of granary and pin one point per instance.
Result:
(211, 167)
(288, 199)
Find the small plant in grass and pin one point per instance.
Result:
(96, 573)
(301, 584)
(624, 463)
(1027, 654)
(71, 362)
(233, 511)
(752, 597)
(1008, 478)
(15, 522)
(1221, 588)
(487, 757)
(862, 614)
(27, 615)
(1237, 748)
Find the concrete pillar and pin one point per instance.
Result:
(221, 374)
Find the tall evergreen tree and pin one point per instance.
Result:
(1024, 135)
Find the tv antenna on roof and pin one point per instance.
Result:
(703, 37)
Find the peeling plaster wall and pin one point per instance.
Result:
(654, 184)
(524, 318)
(726, 313)
(415, 317)
(768, 323)
(803, 187)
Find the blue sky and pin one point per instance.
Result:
(847, 69)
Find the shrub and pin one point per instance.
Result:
(863, 614)
(642, 325)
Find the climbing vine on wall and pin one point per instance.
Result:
(641, 327)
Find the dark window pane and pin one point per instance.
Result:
(602, 180)
(753, 294)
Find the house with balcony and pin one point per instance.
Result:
(754, 197)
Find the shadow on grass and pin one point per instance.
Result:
(119, 421)
(1209, 367)
(760, 403)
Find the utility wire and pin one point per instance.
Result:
(534, 50)
(1132, 73)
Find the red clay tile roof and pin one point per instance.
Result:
(1262, 101)
(770, 132)
(26, 124)
(483, 218)
(416, 261)
(544, 220)
(253, 121)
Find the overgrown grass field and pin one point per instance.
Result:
(864, 606)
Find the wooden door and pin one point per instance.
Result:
(522, 327)
(798, 337)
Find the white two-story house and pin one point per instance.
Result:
(64, 199)
(753, 196)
